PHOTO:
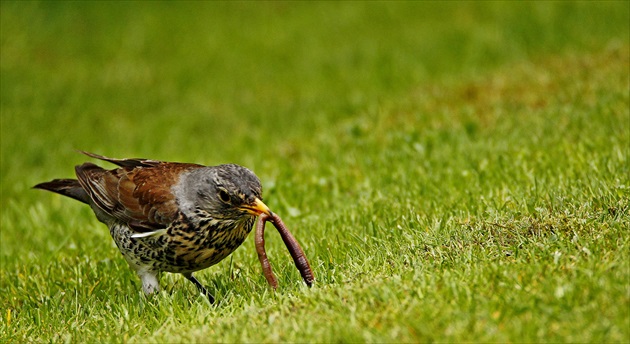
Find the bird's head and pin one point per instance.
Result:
(225, 192)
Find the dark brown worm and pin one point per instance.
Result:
(262, 255)
(292, 245)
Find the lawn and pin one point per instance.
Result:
(453, 171)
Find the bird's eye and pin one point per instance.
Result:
(224, 196)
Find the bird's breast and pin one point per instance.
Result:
(209, 242)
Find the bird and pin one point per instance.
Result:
(168, 216)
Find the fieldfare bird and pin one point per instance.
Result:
(168, 216)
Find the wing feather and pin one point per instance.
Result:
(133, 162)
(138, 193)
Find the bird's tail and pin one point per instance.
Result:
(66, 187)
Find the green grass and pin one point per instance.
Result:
(454, 171)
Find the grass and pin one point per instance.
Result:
(454, 171)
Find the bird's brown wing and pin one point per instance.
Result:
(134, 162)
(139, 196)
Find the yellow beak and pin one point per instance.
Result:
(257, 208)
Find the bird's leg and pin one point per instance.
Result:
(199, 286)
(150, 281)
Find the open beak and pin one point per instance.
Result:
(257, 208)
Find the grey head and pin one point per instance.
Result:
(224, 192)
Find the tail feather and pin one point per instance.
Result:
(67, 187)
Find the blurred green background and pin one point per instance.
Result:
(455, 171)
(199, 81)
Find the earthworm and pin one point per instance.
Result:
(262, 255)
(292, 245)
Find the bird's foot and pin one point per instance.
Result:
(199, 286)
